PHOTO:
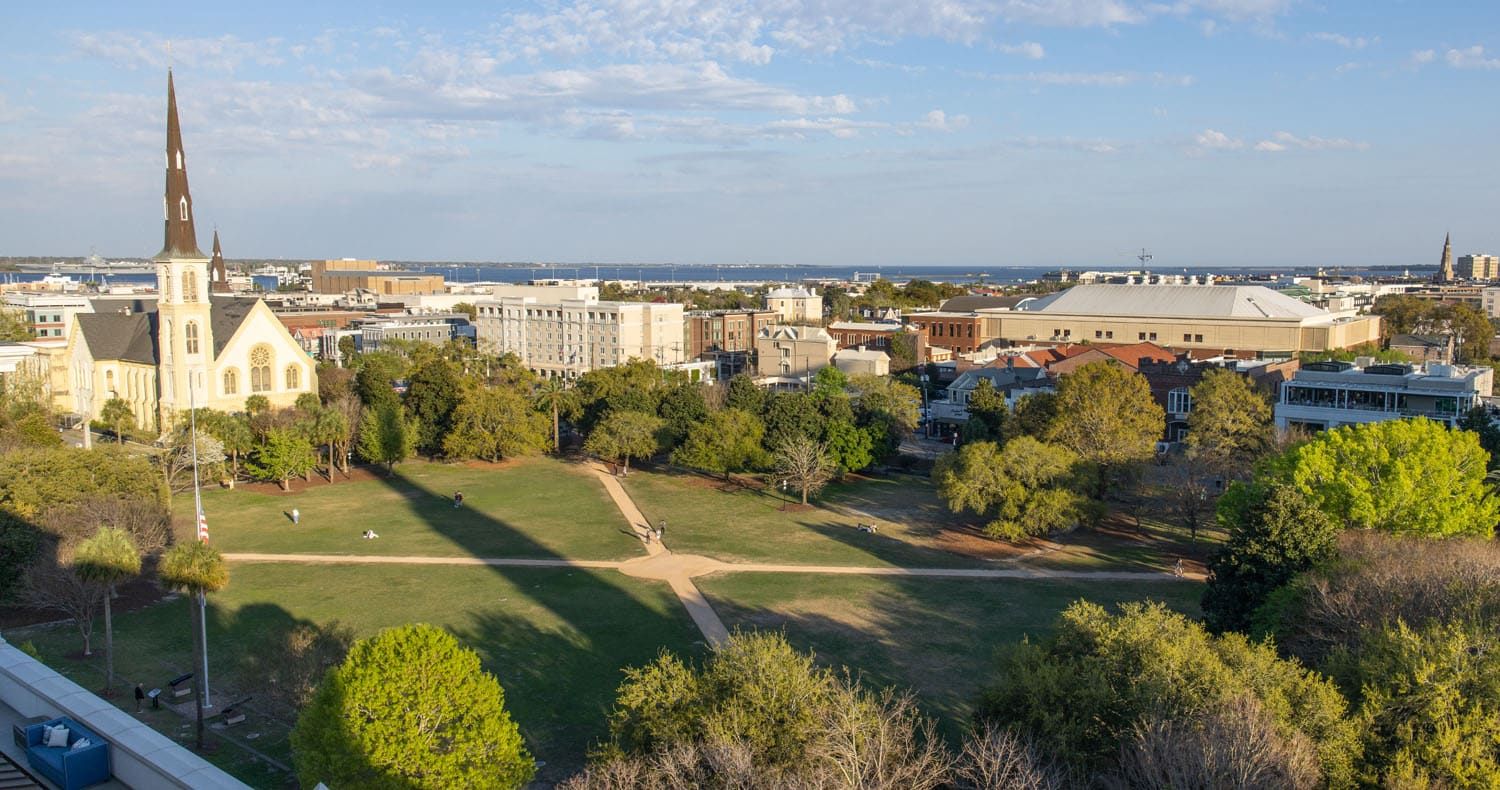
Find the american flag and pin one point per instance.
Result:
(202, 525)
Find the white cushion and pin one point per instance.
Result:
(81, 743)
(58, 736)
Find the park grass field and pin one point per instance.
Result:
(750, 525)
(938, 637)
(557, 639)
(739, 524)
(536, 507)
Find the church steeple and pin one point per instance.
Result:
(1445, 266)
(181, 240)
(218, 276)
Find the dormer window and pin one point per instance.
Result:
(182, 208)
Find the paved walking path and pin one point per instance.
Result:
(408, 559)
(678, 570)
(675, 574)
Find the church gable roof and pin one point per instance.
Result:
(226, 315)
(117, 336)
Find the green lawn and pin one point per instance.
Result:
(937, 637)
(538, 507)
(745, 525)
(556, 639)
(915, 529)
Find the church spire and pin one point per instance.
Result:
(218, 276)
(1445, 266)
(181, 240)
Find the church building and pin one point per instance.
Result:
(201, 347)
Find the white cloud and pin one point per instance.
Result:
(746, 31)
(1347, 42)
(1214, 140)
(940, 121)
(1422, 57)
(1026, 49)
(1472, 58)
(1085, 78)
(1282, 141)
(149, 50)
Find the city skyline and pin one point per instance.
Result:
(1216, 132)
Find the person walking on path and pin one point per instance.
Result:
(661, 529)
(296, 516)
(140, 697)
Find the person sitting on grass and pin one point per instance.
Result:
(369, 534)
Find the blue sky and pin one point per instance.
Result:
(852, 132)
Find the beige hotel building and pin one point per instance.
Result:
(567, 337)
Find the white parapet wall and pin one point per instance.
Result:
(140, 757)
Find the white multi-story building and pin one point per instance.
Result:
(48, 314)
(796, 305)
(565, 338)
(1328, 394)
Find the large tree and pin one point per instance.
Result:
(682, 407)
(1230, 424)
(850, 447)
(790, 415)
(623, 435)
(1105, 413)
(1084, 689)
(637, 385)
(1025, 488)
(805, 463)
(492, 423)
(433, 393)
(375, 380)
(1412, 476)
(107, 559)
(759, 714)
(410, 707)
(728, 441)
(197, 569)
(989, 415)
(385, 437)
(285, 454)
(1275, 533)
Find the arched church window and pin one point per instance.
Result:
(179, 160)
(189, 286)
(293, 377)
(191, 333)
(231, 381)
(260, 369)
(182, 209)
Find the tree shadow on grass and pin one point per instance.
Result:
(938, 637)
(557, 682)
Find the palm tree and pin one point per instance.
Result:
(199, 569)
(552, 394)
(107, 559)
(117, 414)
(328, 427)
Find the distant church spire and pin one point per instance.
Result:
(181, 240)
(218, 276)
(1445, 267)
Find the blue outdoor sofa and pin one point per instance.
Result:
(65, 766)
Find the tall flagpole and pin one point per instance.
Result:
(202, 536)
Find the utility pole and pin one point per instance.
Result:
(1144, 258)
